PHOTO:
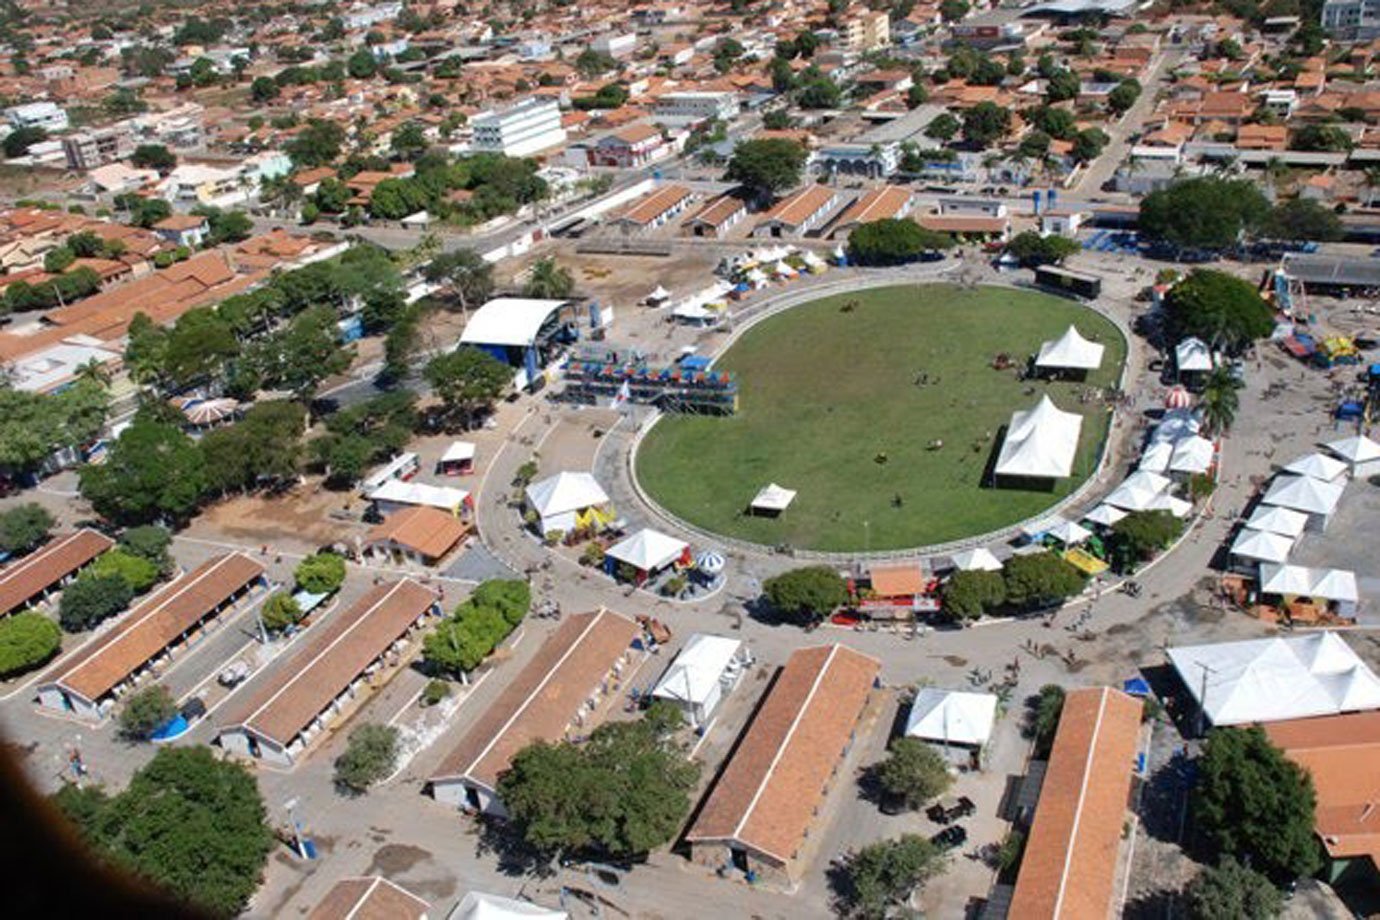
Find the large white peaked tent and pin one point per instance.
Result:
(480, 906)
(1274, 519)
(1298, 581)
(1192, 355)
(1317, 466)
(773, 499)
(1156, 457)
(1360, 451)
(1192, 454)
(1304, 493)
(976, 560)
(648, 550)
(1040, 442)
(1262, 546)
(1070, 351)
(1268, 680)
(560, 498)
(952, 716)
(1138, 491)
(1104, 514)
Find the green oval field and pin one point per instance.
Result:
(826, 391)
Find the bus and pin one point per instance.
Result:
(1064, 281)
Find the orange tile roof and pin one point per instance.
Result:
(656, 204)
(896, 580)
(1070, 864)
(372, 898)
(796, 208)
(768, 794)
(1341, 754)
(878, 204)
(718, 210)
(29, 575)
(428, 531)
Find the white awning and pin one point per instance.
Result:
(952, 716)
(1303, 493)
(648, 550)
(697, 669)
(1317, 466)
(1192, 354)
(1356, 449)
(509, 321)
(773, 498)
(1299, 581)
(1040, 442)
(1278, 520)
(1192, 455)
(1104, 514)
(976, 560)
(1072, 351)
(1262, 545)
(400, 492)
(566, 491)
(1138, 491)
(458, 452)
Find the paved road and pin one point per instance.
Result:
(1102, 169)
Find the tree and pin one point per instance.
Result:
(1032, 249)
(1042, 712)
(986, 123)
(91, 599)
(953, 10)
(1061, 85)
(24, 527)
(263, 89)
(1142, 534)
(943, 128)
(197, 347)
(188, 822)
(1251, 799)
(1039, 579)
(145, 711)
(280, 611)
(767, 167)
(27, 640)
(316, 144)
(622, 793)
(136, 571)
(819, 92)
(265, 447)
(913, 771)
(1230, 891)
(333, 196)
(590, 63)
(893, 242)
(18, 141)
(362, 64)
(548, 281)
(880, 877)
(969, 594)
(298, 357)
(1203, 213)
(806, 595)
(152, 472)
(462, 642)
(321, 573)
(1120, 99)
(144, 212)
(1220, 401)
(511, 597)
(153, 156)
(34, 425)
(1089, 144)
(1303, 219)
(1324, 138)
(1218, 308)
(469, 276)
(58, 260)
(467, 380)
(409, 141)
(228, 226)
(1058, 123)
(369, 757)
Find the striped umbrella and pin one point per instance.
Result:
(710, 562)
(1178, 398)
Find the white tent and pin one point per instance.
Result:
(1175, 506)
(1360, 451)
(658, 296)
(396, 493)
(1296, 580)
(1267, 680)
(694, 313)
(773, 498)
(509, 321)
(976, 560)
(1317, 466)
(696, 680)
(1040, 442)
(648, 550)
(477, 905)
(1192, 354)
(1176, 425)
(559, 499)
(1138, 491)
(952, 717)
(1071, 351)
(1303, 493)
(1263, 546)
(1069, 533)
(458, 452)
(1104, 514)
(1274, 519)
(1156, 457)
(1192, 454)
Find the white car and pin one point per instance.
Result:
(233, 674)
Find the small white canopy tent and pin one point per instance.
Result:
(1138, 491)
(1069, 533)
(1175, 506)
(1192, 354)
(1176, 425)
(702, 672)
(1104, 514)
(658, 296)
(648, 550)
(1070, 351)
(773, 499)
(1262, 546)
(1317, 466)
(1337, 585)
(1303, 493)
(477, 905)
(458, 452)
(976, 560)
(1156, 457)
(1268, 680)
(1040, 442)
(952, 717)
(1192, 455)
(1360, 451)
(560, 498)
(1274, 519)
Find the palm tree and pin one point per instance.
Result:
(94, 372)
(548, 281)
(1220, 401)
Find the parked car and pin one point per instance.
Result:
(892, 803)
(193, 709)
(941, 813)
(233, 674)
(950, 837)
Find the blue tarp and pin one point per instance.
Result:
(694, 363)
(1136, 686)
(177, 725)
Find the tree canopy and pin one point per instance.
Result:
(145, 711)
(1038, 579)
(152, 472)
(1251, 799)
(469, 275)
(27, 640)
(969, 594)
(1303, 219)
(767, 167)
(913, 770)
(986, 123)
(1142, 534)
(467, 381)
(881, 876)
(893, 242)
(368, 758)
(24, 527)
(33, 425)
(1203, 213)
(1218, 308)
(1232, 891)
(462, 641)
(1032, 249)
(91, 599)
(321, 573)
(807, 594)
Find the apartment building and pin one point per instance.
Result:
(692, 107)
(1352, 20)
(46, 115)
(529, 127)
(97, 147)
(867, 31)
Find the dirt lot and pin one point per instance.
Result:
(622, 280)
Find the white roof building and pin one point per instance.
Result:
(1192, 354)
(705, 669)
(952, 717)
(458, 452)
(560, 498)
(509, 321)
(476, 905)
(1070, 351)
(1040, 442)
(48, 370)
(1269, 680)
(402, 492)
(648, 550)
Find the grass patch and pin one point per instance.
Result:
(825, 391)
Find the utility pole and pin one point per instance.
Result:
(1202, 696)
(291, 806)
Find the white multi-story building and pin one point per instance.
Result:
(1352, 20)
(617, 45)
(692, 107)
(364, 17)
(46, 115)
(530, 126)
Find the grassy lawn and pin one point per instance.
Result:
(824, 392)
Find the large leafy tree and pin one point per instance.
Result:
(152, 472)
(462, 642)
(622, 793)
(263, 447)
(24, 527)
(467, 381)
(1251, 799)
(298, 357)
(548, 280)
(33, 426)
(1218, 308)
(986, 123)
(1303, 219)
(967, 595)
(1042, 712)
(1142, 534)
(1032, 249)
(188, 822)
(91, 599)
(197, 347)
(893, 242)
(914, 771)
(1232, 891)
(880, 877)
(369, 756)
(469, 276)
(1220, 401)
(1203, 213)
(1038, 579)
(321, 573)
(316, 144)
(27, 640)
(145, 711)
(807, 594)
(767, 167)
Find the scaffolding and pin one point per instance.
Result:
(687, 386)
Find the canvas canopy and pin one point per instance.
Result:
(1176, 425)
(1192, 354)
(1274, 519)
(1069, 533)
(1299, 581)
(477, 905)
(952, 716)
(1156, 457)
(1268, 680)
(773, 498)
(694, 675)
(979, 560)
(1104, 514)
(1304, 493)
(401, 492)
(1317, 466)
(1138, 491)
(1356, 450)
(1040, 442)
(1192, 454)
(1070, 351)
(648, 550)
(659, 294)
(1175, 506)
(560, 498)
(1262, 545)
(458, 452)
(509, 321)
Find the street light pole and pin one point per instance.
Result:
(1202, 696)
(291, 806)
